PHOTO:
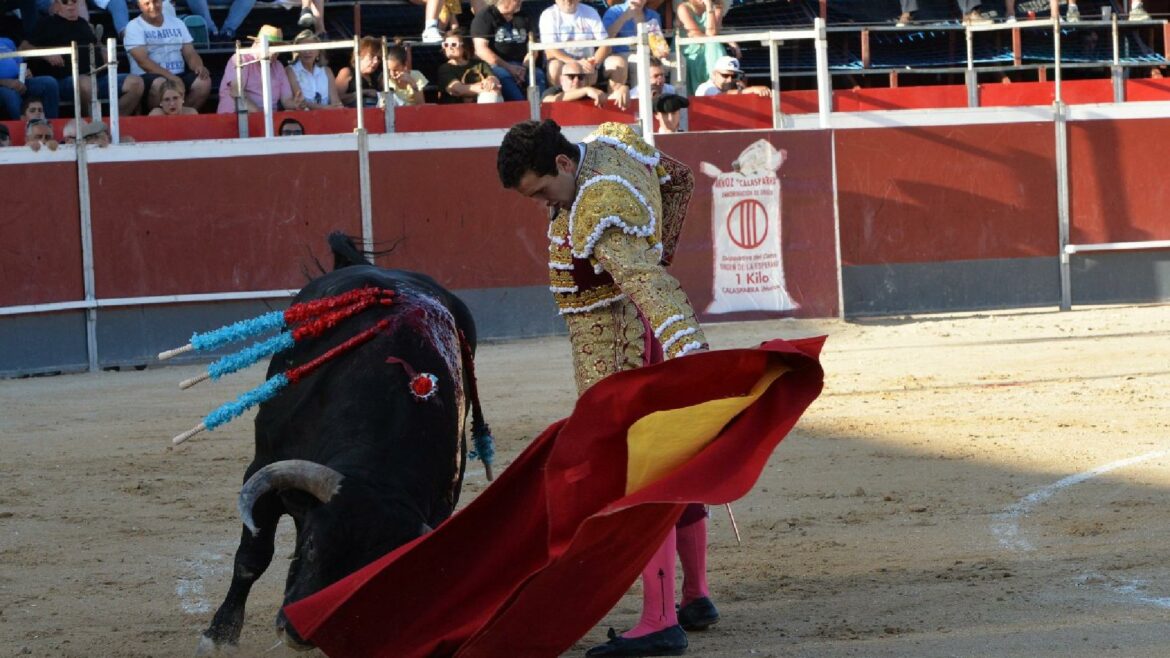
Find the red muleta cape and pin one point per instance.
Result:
(544, 553)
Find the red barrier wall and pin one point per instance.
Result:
(40, 234)
(910, 195)
(217, 224)
(1116, 189)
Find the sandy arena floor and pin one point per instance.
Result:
(967, 485)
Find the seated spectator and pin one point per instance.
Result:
(727, 78)
(404, 84)
(290, 127)
(171, 103)
(622, 20)
(95, 133)
(369, 66)
(311, 78)
(63, 27)
(568, 21)
(463, 80)
(38, 133)
(667, 108)
(238, 10)
(162, 49)
(282, 94)
(14, 91)
(32, 108)
(971, 9)
(500, 34)
(5, 138)
(440, 16)
(573, 87)
(702, 18)
(658, 84)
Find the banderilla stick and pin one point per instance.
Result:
(734, 525)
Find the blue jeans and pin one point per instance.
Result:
(65, 86)
(44, 86)
(511, 88)
(237, 12)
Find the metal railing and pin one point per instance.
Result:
(771, 39)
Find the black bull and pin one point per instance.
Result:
(359, 462)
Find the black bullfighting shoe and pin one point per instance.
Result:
(666, 642)
(698, 614)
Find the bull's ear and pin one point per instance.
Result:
(424, 529)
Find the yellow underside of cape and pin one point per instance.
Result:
(662, 441)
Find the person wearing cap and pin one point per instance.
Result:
(282, 94)
(666, 110)
(95, 133)
(162, 49)
(702, 18)
(727, 78)
(238, 10)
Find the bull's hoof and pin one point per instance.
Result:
(293, 641)
(209, 647)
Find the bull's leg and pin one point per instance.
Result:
(252, 559)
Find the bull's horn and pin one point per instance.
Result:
(318, 480)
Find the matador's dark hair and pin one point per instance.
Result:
(532, 146)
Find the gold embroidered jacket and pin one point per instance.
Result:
(605, 259)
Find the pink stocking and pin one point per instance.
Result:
(692, 552)
(657, 592)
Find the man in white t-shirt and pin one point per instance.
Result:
(162, 49)
(569, 20)
(727, 78)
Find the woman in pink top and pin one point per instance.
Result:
(250, 79)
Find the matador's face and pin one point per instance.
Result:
(557, 190)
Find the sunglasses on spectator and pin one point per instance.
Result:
(67, 2)
(452, 44)
(574, 76)
(291, 131)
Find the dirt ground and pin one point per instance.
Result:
(986, 484)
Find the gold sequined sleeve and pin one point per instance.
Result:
(633, 263)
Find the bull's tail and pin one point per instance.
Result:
(346, 252)
(481, 434)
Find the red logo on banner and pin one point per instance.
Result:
(747, 224)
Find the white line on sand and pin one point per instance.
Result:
(1006, 525)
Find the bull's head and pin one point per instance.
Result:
(340, 529)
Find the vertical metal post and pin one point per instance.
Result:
(76, 71)
(112, 84)
(533, 90)
(646, 100)
(95, 102)
(971, 79)
(1062, 201)
(1117, 73)
(359, 100)
(866, 55)
(367, 205)
(86, 246)
(824, 82)
(266, 84)
(385, 68)
(388, 114)
(774, 69)
(1059, 98)
(241, 105)
(680, 82)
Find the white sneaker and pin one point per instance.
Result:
(1139, 13)
(1010, 20)
(1073, 15)
(432, 35)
